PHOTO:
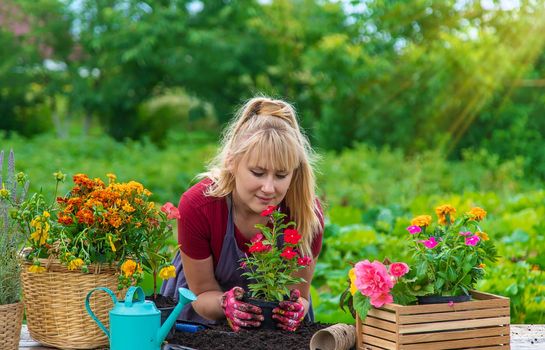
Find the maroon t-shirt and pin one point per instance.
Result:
(203, 224)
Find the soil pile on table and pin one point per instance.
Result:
(221, 337)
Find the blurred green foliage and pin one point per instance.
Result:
(370, 197)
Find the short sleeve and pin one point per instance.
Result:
(194, 232)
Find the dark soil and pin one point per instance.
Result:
(221, 337)
(162, 301)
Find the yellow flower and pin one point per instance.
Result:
(41, 230)
(352, 275)
(442, 211)
(477, 213)
(36, 269)
(482, 235)
(128, 208)
(75, 264)
(46, 214)
(111, 177)
(4, 193)
(167, 272)
(421, 220)
(482, 266)
(128, 267)
(112, 245)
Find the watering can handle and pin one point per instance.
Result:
(88, 307)
(129, 297)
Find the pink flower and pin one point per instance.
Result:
(243, 264)
(414, 229)
(372, 279)
(258, 237)
(466, 233)
(269, 210)
(381, 299)
(288, 253)
(451, 303)
(291, 236)
(304, 261)
(399, 269)
(430, 243)
(171, 211)
(473, 240)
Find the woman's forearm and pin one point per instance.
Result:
(208, 305)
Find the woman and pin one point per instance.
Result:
(265, 160)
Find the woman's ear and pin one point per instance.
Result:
(230, 163)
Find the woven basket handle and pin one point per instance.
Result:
(90, 312)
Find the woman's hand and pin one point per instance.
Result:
(289, 314)
(238, 313)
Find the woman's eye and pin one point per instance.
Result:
(281, 176)
(256, 173)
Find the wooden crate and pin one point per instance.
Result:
(480, 324)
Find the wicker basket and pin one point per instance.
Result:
(55, 305)
(11, 318)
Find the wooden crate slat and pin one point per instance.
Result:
(378, 323)
(457, 344)
(443, 326)
(377, 332)
(382, 314)
(370, 347)
(451, 316)
(385, 344)
(461, 334)
(468, 305)
(485, 296)
(497, 347)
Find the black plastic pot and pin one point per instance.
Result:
(266, 307)
(442, 299)
(165, 311)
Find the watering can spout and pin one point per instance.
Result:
(184, 296)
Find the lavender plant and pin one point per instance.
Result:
(11, 237)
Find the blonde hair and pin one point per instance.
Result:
(267, 129)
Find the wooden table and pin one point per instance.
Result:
(523, 337)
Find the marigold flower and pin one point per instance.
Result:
(128, 208)
(477, 213)
(482, 235)
(75, 264)
(36, 269)
(167, 272)
(481, 266)
(111, 177)
(442, 211)
(129, 267)
(421, 220)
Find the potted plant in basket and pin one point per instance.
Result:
(98, 234)
(11, 239)
(448, 260)
(269, 266)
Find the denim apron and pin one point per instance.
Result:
(227, 272)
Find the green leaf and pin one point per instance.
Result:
(362, 305)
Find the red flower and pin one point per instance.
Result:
(304, 261)
(288, 253)
(258, 237)
(259, 247)
(269, 210)
(291, 236)
(171, 211)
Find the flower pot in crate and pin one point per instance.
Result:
(481, 322)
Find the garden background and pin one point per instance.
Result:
(411, 104)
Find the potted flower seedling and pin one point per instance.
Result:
(271, 262)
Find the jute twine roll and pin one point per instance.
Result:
(11, 318)
(337, 337)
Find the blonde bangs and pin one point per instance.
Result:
(269, 150)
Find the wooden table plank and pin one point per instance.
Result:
(523, 337)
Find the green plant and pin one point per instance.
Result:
(268, 267)
(11, 237)
(449, 259)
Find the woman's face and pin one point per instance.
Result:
(257, 186)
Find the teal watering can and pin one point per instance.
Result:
(136, 323)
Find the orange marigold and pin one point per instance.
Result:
(477, 213)
(421, 220)
(442, 211)
(482, 235)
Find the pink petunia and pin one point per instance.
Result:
(380, 299)
(430, 243)
(414, 229)
(473, 240)
(466, 233)
(171, 211)
(372, 278)
(399, 269)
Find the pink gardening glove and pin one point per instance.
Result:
(238, 313)
(289, 314)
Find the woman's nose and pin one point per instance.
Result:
(268, 185)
